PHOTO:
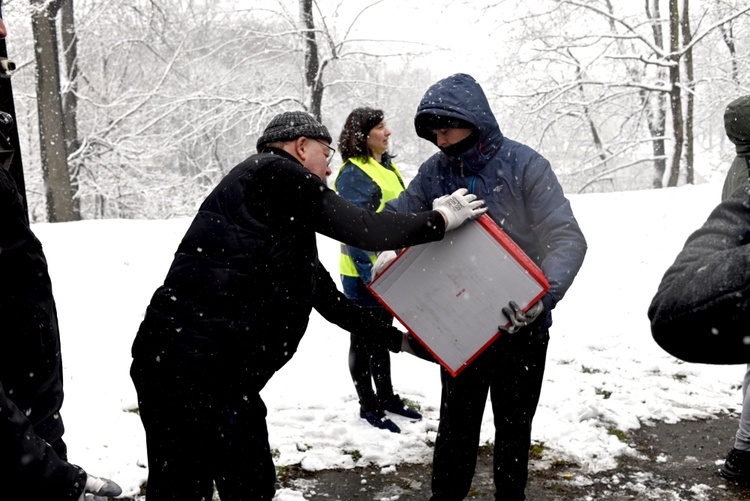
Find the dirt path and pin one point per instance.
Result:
(679, 462)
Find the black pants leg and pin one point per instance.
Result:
(514, 393)
(368, 363)
(462, 404)
(199, 432)
(511, 370)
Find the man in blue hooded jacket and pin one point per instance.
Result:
(526, 200)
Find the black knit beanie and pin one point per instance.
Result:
(290, 126)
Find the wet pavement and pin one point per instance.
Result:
(677, 462)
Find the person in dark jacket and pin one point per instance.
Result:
(235, 304)
(368, 179)
(701, 310)
(526, 200)
(33, 454)
(737, 127)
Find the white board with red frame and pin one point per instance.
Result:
(450, 294)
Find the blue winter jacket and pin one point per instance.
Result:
(517, 184)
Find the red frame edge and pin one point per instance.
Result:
(509, 245)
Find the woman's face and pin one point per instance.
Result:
(377, 139)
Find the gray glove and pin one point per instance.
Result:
(458, 207)
(519, 319)
(99, 487)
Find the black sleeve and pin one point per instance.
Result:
(287, 195)
(338, 309)
(376, 231)
(701, 309)
(37, 472)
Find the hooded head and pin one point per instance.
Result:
(458, 101)
(737, 124)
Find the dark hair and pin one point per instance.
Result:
(353, 137)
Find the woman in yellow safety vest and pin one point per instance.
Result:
(368, 178)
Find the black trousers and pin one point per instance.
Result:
(370, 363)
(511, 370)
(200, 431)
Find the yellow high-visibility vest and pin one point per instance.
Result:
(390, 183)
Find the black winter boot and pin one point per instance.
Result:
(737, 467)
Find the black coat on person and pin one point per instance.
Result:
(237, 297)
(701, 310)
(31, 386)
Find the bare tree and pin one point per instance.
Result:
(168, 95)
(675, 91)
(727, 34)
(687, 38)
(313, 68)
(69, 40)
(50, 111)
(654, 102)
(594, 74)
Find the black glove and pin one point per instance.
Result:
(414, 347)
(519, 319)
(392, 339)
(398, 341)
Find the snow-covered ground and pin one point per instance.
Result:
(603, 368)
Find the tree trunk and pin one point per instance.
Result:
(49, 106)
(675, 93)
(687, 37)
(656, 115)
(587, 113)
(727, 33)
(314, 91)
(70, 97)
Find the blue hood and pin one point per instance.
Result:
(460, 96)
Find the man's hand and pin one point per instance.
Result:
(519, 319)
(458, 207)
(383, 260)
(100, 488)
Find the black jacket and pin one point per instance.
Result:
(701, 311)
(31, 387)
(737, 127)
(246, 275)
(30, 362)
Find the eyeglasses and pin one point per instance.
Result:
(331, 151)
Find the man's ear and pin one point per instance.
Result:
(301, 148)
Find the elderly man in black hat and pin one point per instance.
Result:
(235, 304)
